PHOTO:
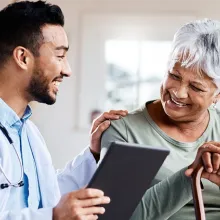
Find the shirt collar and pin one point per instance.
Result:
(9, 118)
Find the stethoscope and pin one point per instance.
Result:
(20, 182)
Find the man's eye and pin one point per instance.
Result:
(61, 57)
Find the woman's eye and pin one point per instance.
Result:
(196, 89)
(174, 76)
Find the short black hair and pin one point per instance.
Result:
(21, 23)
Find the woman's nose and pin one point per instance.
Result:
(181, 92)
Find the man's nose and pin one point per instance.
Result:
(66, 70)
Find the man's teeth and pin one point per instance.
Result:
(177, 103)
(56, 83)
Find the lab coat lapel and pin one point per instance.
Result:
(49, 189)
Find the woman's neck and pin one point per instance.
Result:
(184, 131)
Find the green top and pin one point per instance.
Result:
(170, 197)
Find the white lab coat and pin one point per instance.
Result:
(76, 175)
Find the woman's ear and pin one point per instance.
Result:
(216, 99)
(218, 96)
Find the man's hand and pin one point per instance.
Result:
(100, 124)
(80, 205)
(208, 156)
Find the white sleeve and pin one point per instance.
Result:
(77, 172)
(27, 214)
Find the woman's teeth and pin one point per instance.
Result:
(177, 103)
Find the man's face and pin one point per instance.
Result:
(51, 65)
(186, 95)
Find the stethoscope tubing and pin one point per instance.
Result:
(9, 183)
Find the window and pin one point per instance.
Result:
(135, 71)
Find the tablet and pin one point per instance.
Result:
(124, 174)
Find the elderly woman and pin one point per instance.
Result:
(183, 120)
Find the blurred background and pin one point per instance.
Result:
(118, 54)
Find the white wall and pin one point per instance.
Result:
(89, 23)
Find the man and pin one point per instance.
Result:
(33, 63)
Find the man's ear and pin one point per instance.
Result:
(22, 57)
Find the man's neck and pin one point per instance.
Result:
(14, 100)
(12, 88)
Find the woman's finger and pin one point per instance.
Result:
(207, 147)
(215, 162)
(207, 161)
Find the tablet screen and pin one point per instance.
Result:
(124, 174)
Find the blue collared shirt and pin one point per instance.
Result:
(28, 195)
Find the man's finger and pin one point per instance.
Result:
(92, 210)
(103, 117)
(94, 201)
(87, 193)
(111, 115)
(99, 129)
(119, 112)
(91, 217)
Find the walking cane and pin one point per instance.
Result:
(197, 193)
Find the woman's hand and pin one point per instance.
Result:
(208, 156)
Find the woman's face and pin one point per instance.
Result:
(186, 95)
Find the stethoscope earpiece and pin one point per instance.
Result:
(4, 185)
(21, 184)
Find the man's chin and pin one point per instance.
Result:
(47, 100)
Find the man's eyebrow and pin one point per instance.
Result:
(62, 48)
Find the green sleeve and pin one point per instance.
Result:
(165, 198)
(116, 132)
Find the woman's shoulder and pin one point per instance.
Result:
(215, 118)
(135, 118)
(215, 113)
(136, 114)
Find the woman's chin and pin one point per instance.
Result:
(175, 112)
